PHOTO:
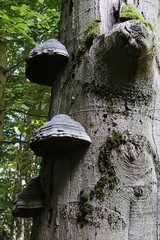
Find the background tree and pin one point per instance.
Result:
(111, 86)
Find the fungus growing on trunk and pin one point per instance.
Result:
(29, 201)
(61, 133)
(45, 61)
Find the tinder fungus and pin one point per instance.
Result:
(45, 61)
(61, 133)
(29, 201)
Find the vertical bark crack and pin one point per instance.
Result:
(157, 157)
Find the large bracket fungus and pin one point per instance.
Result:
(45, 61)
(61, 133)
(29, 201)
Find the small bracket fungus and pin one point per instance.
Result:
(61, 133)
(45, 61)
(29, 201)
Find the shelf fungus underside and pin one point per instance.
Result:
(45, 61)
(60, 134)
(29, 201)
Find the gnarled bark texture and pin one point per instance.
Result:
(111, 86)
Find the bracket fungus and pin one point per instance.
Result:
(29, 201)
(45, 61)
(61, 133)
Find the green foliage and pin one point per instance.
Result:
(130, 12)
(26, 109)
(23, 24)
(19, 21)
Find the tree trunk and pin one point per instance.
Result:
(20, 229)
(3, 77)
(111, 86)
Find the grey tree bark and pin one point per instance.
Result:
(111, 86)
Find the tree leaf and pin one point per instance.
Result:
(41, 1)
(4, 204)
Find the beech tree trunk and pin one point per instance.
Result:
(111, 85)
(3, 78)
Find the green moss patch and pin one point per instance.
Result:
(130, 12)
(108, 179)
(98, 191)
(85, 210)
(91, 33)
(113, 142)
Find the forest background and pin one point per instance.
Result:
(24, 106)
